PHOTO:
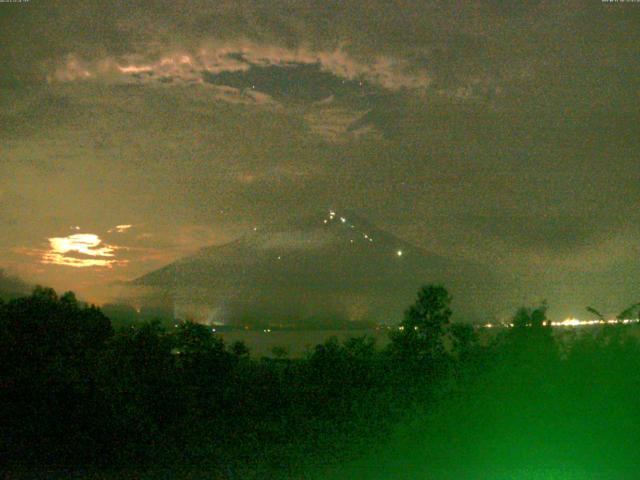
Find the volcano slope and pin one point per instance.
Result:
(331, 266)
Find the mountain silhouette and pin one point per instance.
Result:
(332, 265)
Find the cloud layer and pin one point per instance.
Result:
(506, 134)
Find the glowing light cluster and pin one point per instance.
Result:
(569, 322)
(572, 322)
(345, 221)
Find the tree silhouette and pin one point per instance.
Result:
(279, 352)
(465, 340)
(596, 313)
(531, 317)
(73, 393)
(632, 312)
(530, 342)
(49, 348)
(240, 349)
(420, 334)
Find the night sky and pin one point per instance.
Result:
(492, 132)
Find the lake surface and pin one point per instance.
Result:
(297, 343)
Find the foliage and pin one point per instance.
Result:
(530, 317)
(418, 343)
(76, 393)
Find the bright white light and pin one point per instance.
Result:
(399, 253)
(571, 322)
(86, 244)
(343, 220)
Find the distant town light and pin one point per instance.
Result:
(399, 253)
(574, 322)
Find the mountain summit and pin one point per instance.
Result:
(335, 265)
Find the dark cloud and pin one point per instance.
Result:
(491, 131)
(530, 232)
(292, 82)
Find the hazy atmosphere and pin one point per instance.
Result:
(503, 136)
(319, 240)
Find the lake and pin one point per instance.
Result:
(296, 342)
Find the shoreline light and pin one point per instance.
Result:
(573, 322)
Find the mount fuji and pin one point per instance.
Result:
(331, 265)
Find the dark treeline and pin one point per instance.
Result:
(78, 397)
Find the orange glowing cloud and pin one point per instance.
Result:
(70, 251)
